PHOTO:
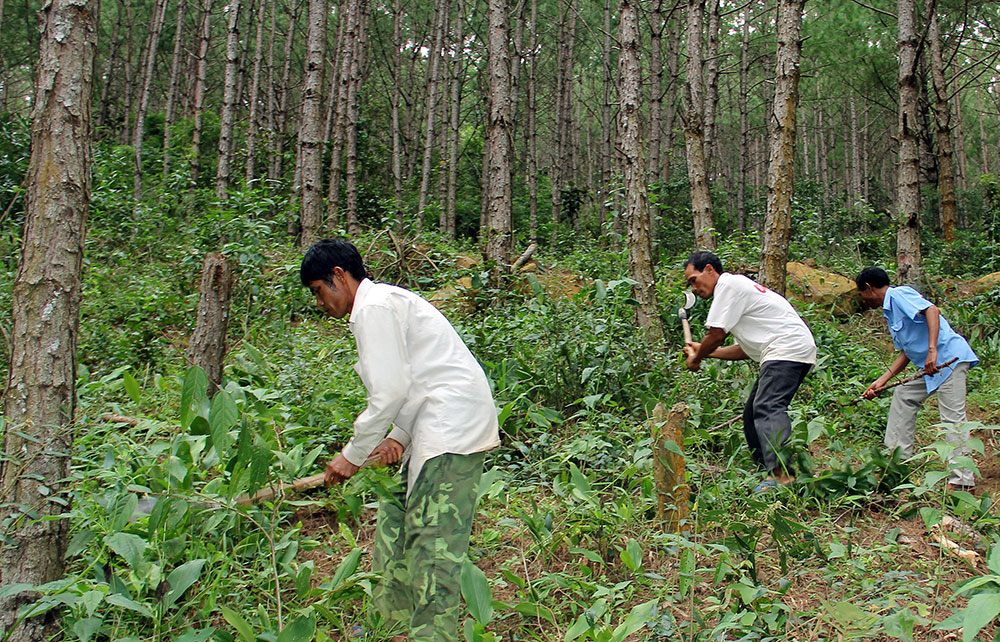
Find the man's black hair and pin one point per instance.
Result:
(698, 260)
(874, 277)
(323, 256)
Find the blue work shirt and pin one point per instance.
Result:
(902, 309)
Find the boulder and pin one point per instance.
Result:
(986, 283)
(465, 262)
(457, 297)
(825, 289)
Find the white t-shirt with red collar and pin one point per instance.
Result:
(763, 323)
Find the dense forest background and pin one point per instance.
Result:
(202, 146)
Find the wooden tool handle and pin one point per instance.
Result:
(297, 486)
(687, 330)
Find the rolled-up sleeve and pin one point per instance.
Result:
(385, 372)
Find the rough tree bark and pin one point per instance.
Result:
(207, 348)
(171, 108)
(311, 127)
(397, 99)
(908, 172)
(457, 74)
(781, 166)
(229, 96)
(694, 133)
(430, 108)
(353, 122)
(198, 102)
(159, 14)
(499, 138)
(250, 169)
(40, 400)
(347, 43)
(531, 129)
(942, 131)
(744, 153)
(634, 171)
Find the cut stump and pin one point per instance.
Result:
(672, 490)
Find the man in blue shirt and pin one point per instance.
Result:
(924, 337)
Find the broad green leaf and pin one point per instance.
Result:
(579, 627)
(13, 589)
(301, 630)
(237, 622)
(131, 387)
(346, 569)
(86, 627)
(120, 600)
(303, 580)
(593, 556)
(982, 609)
(637, 618)
(222, 418)
(632, 555)
(993, 559)
(79, 542)
(193, 392)
(581, 486)
(129, 546)
(672, 446)
(686, 575)
(181, 579)
(536, 611)
(477, 594)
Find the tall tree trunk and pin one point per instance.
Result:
(608, 134)
(499, 138)
(694, 133)
(744, 153)
(855, 155)
(152, 44)
(175, 65)
(959, 129)
(229, 98)
(908, 261)
(348, 45)
(397, 98)
(983, 149)
(430, 108)
(531, 131)
(781, 168)
(40, 397)
(310, 143)
(457, 73)
(670, 91)
(942, 131)
(633, 171)
(711, 82)
(253, 125)
(199, 86)
(282, 91)
(354, 121)
(656, 93)
(129, 73)
(107, 75)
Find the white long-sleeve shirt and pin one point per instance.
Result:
(420, 377)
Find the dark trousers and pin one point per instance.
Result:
(765, 415)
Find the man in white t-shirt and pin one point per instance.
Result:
(426, 386)
(766, 329)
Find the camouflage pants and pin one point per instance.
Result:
(420, 544)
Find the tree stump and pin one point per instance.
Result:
(668, 464)
(207, 348)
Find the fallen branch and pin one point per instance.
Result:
(524, 258)
(119, 419)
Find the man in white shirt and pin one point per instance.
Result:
(766, 329)
(423, 381)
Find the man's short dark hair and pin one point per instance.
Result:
(323, 256)
(874, 277)
(698, 260)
